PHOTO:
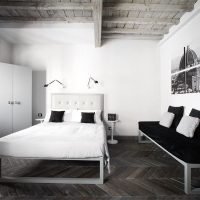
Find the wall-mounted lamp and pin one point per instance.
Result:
(89, 82)
(46, 85)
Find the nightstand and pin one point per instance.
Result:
(40, 120)
(112, 141)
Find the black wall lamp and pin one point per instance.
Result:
(89, 82)
(46, 85)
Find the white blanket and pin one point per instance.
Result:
(57, 140)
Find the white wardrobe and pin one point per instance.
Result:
(15, 98)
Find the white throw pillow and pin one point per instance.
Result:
(187, 126)
(167, 119)
(67, 116)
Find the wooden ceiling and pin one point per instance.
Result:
(136, 19)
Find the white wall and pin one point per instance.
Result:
(127, 71)
(187, 33)
(5, 51)
(39, 94)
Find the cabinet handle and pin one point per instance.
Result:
(17, 102)
(14, 102)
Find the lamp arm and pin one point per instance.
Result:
(51, 82)
(89, 82)
(92, 79)
(95, 81)
(59, 82)
(46, 85)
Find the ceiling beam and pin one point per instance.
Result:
(45, 5)
(46, 20)
(132, 36)
(132, 20)
(134, 31)
(149, 7)
(97, 13)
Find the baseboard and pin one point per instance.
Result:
(125, 138)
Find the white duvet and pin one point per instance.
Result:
(57, 140)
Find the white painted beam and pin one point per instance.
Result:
(97, 13)
(149, 7)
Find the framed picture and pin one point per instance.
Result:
(185, 72)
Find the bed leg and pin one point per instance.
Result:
(101, 162)
(187, 179)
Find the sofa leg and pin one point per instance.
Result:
(0, 167)
(140, 140)
(187, 179)
(139, 136)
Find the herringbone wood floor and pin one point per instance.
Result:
(138, 171)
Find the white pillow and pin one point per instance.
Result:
(187, 126)
(98, 118)
(47, 116)
(67, 116)
(97, 115)
(76, 116)
(167, 119)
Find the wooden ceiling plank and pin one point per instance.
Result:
(33, 13)
(149, 7)
(46, 19)
(132, 36)
(69, 13)
(43, 13)
(87, 13)
(134, 31)
(45, 5)
(135, 20)
(78, 13)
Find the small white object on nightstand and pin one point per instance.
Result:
(112, 141)
(40, 120)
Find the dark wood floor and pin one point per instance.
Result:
(138, 171)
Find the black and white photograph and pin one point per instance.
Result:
(185, 72)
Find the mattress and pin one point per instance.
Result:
(57, 140)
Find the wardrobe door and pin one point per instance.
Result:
(5, 99)
(22, 97)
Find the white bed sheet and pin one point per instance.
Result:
(57, 140)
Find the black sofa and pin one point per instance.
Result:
(185, 150)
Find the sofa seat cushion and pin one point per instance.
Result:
(184, 148)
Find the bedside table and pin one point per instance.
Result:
(40, 120)
(112, 141)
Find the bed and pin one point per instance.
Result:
(61, 141)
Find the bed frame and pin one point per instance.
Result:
(67, 101)
(187, 166)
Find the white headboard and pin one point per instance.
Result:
(77, 101)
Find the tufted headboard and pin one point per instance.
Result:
(77, 101)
